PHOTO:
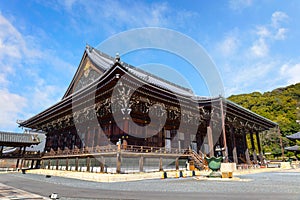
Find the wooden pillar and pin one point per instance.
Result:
(118, 167)
(102, 164)
(22, 162)
(32, 164)
(126, 126)
(76, 163)
(57, 163)
(253, 147)
(258, 142)
(100, 136)
(88, 164)
(39, 164)
(234, 151)
(224, 131)
(1, 151)
(259, 147)
(88, 140)
(210, 141)
(49, 163)
(246, 147)
(177, 164)
(141, 164)
(24, 150)
(23, 153)
(17, 164)
(18, 160)
(161, 164)
(67, 164)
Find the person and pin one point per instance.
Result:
(119, 144)
(124, 144)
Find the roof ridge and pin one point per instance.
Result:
(91, 49)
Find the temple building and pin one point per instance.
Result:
(113, 112)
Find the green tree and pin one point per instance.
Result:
(282, 106)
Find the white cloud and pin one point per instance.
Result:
(253, 72)
(263, 31)
(247, 76)
(11, 107)
(68, 4)
(273, 30)
(239, 4)
(268, 33)
(22, 87)
(3, 80)
(290, 73)
(122, 14)
(11, 42)
(277, 18)
(228, 46)
(281, 34)
(260, 48)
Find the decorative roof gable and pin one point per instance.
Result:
(87, 72)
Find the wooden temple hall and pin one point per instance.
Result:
(117, 118)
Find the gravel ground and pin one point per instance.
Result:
(269, 184)
(263, 182)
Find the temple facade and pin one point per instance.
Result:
(112, 105)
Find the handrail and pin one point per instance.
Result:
(198, 159)
(114, 148)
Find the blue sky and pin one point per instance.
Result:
(254, 44)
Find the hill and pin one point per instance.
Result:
(281, 105)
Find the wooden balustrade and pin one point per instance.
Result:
(114, 148)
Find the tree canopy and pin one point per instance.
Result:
(281, 105)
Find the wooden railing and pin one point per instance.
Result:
(147, 149)
(86, 150)
(199, 159)
(114, 148)
(27, 154)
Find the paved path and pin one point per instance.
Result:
(268, 185)
(9, 193)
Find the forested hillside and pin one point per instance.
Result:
(281, 105)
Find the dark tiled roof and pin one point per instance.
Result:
(105, 62)
(21, 138)
(295, 136)
(293, 148)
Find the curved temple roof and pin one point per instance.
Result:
(293, 148)
(295, 136)
(105, 64)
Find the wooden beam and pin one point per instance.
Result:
(49, 163)
(210, 141)
(1, 151)
(177, 164)
(67, 164)
(118, 167)
(141, 164)
(224, 131)
(88, 164)
(102, 164)
(76, 163)
(234, 151)
(57, 163)
(253, 147)
(246, 147)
